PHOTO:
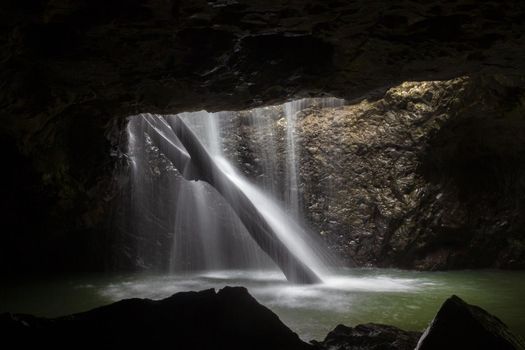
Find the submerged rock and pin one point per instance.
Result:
(228, 319)
(370, 336)
(459, 325)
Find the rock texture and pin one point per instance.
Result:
(459, 325)
(159, 56)
(427, 176)
(72, 70)
(369, 336)
(421, 178)
(228, 319)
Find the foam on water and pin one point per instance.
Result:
(268, 285)
(406, 299)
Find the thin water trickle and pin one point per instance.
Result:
(266, 135)
(292, 194)
(291, 110)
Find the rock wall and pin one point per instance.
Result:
(429, 176)
(71, 71)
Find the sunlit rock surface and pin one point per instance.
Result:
(428, 176)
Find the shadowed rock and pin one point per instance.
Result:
(228, 319)
(232, 319)
(370, 336)
(459, 325)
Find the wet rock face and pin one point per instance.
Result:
(420, 178)
(359, 168)
(428, 176)
(72, 70)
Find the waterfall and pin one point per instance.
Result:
(292, 194)
(218, 236)
(291, 110)
(206, 234)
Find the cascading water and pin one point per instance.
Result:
(207, 234)
(190, 217)
(216, 230)
(291, 109)
(292, 194)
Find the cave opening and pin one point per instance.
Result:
(179, 173)
(313, 168)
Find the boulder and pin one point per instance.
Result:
(459, 325)
(228, 319)
(370, 336)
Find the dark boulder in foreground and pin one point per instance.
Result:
(228, 319)
(459, 325)
(232, 319)
(369, 336)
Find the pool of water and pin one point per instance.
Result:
(407, 299)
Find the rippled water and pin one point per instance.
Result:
(406, 299)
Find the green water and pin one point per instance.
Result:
(406, 299)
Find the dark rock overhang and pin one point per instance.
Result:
(127, 57)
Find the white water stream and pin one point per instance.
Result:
(206, 234)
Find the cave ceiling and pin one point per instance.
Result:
(118, 57)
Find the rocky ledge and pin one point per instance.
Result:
(232, 319)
